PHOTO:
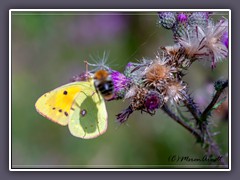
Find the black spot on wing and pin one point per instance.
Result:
(66, 114)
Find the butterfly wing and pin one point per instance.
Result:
(78, 105)
(88, 115)
(56, 104)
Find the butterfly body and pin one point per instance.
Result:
(104, 84)
(77, 105)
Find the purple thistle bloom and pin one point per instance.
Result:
(182, 18)
(153, 101)
(225, 39)
(120, 83)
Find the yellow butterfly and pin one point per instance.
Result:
(77, 105)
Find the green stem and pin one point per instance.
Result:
(219, 86)
(181, 122)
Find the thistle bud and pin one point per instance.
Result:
(199, 19)
(167, 19)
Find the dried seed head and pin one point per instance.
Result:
(212, 40)
(137, 101)
(175, 92)
(172, 50)
(131, 92)
(192, 45)
(157, 73)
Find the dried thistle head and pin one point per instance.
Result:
(192, 45)
(213, 35)
(175, 92)
(137, 101)
(158, 73)
(172, 50)
(131, 92)
(203, 42)
(176, 55)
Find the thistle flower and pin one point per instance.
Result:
(153, 101)
(175, 92)
(120, 82)
(182, 17)
(143, 99)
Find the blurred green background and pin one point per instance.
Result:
(48, 48)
